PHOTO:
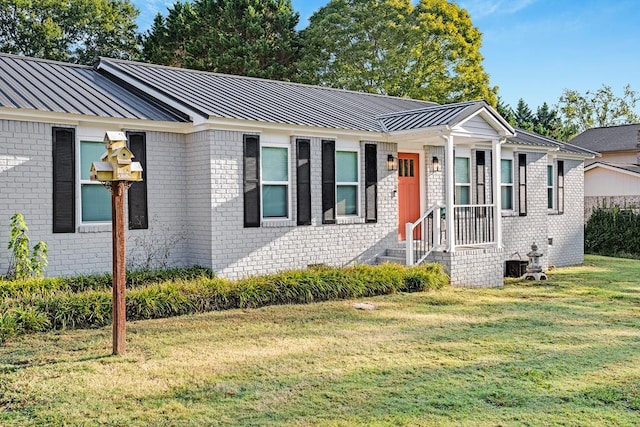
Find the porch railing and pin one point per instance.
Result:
(423, 235)
(474, 225)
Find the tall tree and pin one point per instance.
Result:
(598, 108)
(430, 51)
(546, 122)
(245, 37)
(69, 30)
(523, 115)
(505, 111)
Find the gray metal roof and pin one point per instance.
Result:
(612, 138)
(247, 98)
(438, 115)
(59, 87)
(531, 139)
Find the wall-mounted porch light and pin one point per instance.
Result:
(435, 163)
(392, 163)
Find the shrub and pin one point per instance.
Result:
(613, 232)
(59, 305)
(24, 262)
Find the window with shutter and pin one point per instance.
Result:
(64, 197)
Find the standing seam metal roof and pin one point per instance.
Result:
(524, 137)
(60, 87)
(247, 98)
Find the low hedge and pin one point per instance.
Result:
(92, 308)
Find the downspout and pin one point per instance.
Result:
(449, 189)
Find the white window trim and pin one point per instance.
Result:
(262, 183)
(509, 157)
(80, 182)
(354, 148)
(463, 184)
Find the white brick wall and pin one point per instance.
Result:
(239, 251)
(567, 229)
(26, 187)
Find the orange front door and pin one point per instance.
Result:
(408, 190)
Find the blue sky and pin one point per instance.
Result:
(533, 49)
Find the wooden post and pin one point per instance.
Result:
(119, 272)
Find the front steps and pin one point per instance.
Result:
(394, 256)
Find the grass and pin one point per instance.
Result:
(561, 352)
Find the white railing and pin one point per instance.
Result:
(423, 235)
(474, 225)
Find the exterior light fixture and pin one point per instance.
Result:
(392, 163)
(435, 163)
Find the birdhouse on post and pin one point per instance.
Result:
(116, 163)
(117, 171)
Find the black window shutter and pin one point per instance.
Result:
(251, 181)
(480, 178)
(371, 182)
(560, 186)
(328, 182)
(138, 215)
(303, 177)
(64, 195)
(522, 184)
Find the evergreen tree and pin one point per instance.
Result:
(523, 116)
(505, 111)
(243, 37)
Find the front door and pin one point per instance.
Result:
(408, 190)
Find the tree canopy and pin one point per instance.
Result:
(430, 51)
(69, 30)
(598, 108)
(243, 37)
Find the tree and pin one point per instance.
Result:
(546, 122)
(523, 115)
(430, 51)
(69, 30)
(243, 37)
(597, 108)
(505, 111)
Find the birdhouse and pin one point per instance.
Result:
(116, 163)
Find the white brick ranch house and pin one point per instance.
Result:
(249, 176)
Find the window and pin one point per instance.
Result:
(550, 186)
(463, 181)
(506, 183)
(347, 184)
(522, 184)
(560, 187)
(95, 199)
(275, 182)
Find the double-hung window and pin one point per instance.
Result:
(95, 198)
(463, 181)
(506, 183)
(347, 183)
(275, 186)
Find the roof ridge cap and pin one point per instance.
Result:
(48, 61)
(422, 109)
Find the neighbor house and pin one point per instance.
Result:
(250, 176)
(614, 178)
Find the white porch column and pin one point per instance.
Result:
(497, 194)
(449, 189)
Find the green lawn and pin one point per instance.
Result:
(561, 352)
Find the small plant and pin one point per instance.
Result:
(24, 262)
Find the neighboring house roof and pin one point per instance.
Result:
(524, 137)
(57, 87)
(437, 115)
(611, 138)
(627, 168)
(214, 95)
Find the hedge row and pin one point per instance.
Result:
(135, 279)
(613, 232)
(92, 308)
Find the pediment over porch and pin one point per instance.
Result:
(468, 121)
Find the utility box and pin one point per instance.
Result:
(116, 163)
(515, 268)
